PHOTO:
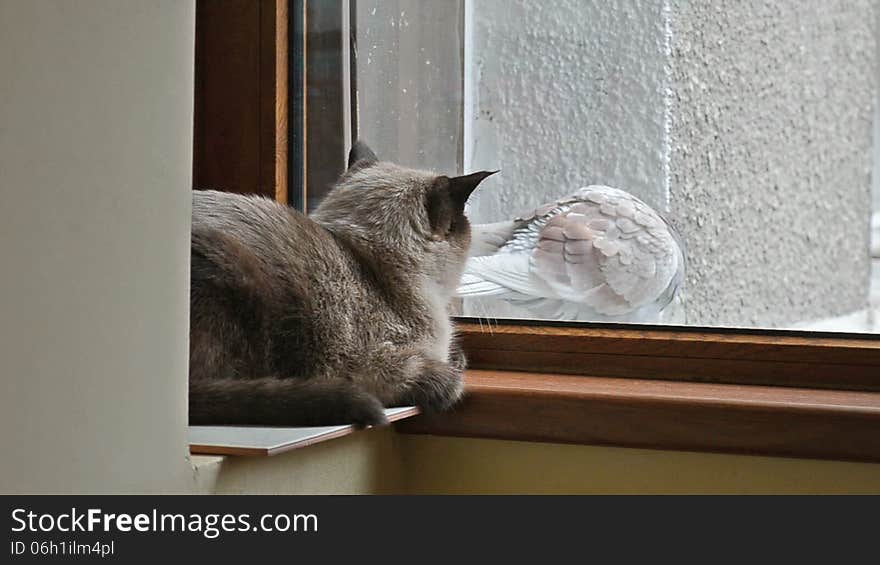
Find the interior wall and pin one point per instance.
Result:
(95, 168)
(384, 462)
(445, 465)
(367, 462)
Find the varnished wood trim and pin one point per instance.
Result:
(273, 98)
(728, 418)
(280, 111)
(241, 97)
(305, 104)
(678, 354)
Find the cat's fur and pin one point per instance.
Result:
(326, 319)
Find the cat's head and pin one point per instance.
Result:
(395, 208)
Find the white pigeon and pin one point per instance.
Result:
(598, 254)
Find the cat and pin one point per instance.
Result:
(327, 319)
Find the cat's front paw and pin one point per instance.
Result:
(457, 358)
(365, 410)
(439, 388)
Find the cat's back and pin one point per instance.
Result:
(244, 217)
(277, 236)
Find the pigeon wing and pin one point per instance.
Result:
(607, 250)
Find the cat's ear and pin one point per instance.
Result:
(447, 197)
(361, 155)
(460, 188)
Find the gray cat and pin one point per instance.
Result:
(326, 319)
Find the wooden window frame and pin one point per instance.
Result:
(780, 393)
(695, 354)
(241, 99)
(777, 393)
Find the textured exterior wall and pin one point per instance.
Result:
(749, 123)
(875, 172)
(566, 93)
(875, 188)
(770, 125)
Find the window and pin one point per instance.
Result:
(752, 137)
(748, 129)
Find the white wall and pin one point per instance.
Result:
(95, 169)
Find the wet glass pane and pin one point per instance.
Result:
(410, 84)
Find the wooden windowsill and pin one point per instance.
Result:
(734, 356)
(674, 415)
(265, 441)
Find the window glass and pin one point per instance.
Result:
(704, 163)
